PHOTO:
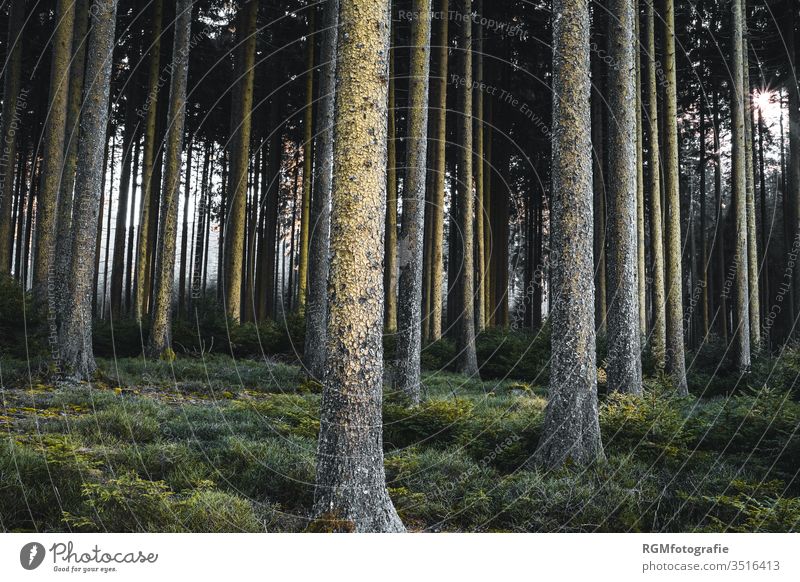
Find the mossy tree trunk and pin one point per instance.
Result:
(675, 358)
(308, 151)
(466, 358)
(351, 491)
(624, 347)
(150, 115)
(237, 201)
(409, 337)
(11, 118)
(571, 431)
(76, 328)
(53, 156)
(739, 192)
(160, 341)
(317, 305)
(439, 135)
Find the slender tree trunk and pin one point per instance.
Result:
(150, 115)
(719, 235)
(237, 202)
(754, 306)
(10, 125)
(640, 209)
(107, 230)
(184, 268)
(317, 307)
(308, 150)
(268, 253)
(764, 262)
(118, 261)
(160, 341)
(409, 338)
(598, 178)
(704, 267)
(53, 155)
(466, 358)
(351, 492)
(439, 133)
(675, 359)
(390, 253)
(793, 162)
(739, 187)
(571, 431)
(203, 218)
(480, 274)
(624, 349)
(76, 329)
(134, 211)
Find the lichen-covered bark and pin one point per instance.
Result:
(571, 431)
(76, 328)
(237, 202)
(739, 188)
(148, 164)
(351, 483)
(160, 341)
(624, 347)
(675, 358)
(409, 336)
(754, 307)
(390, 253)
(598, 180)
(640, 211)
(53, 155)
(658, 334)
(317, 305)
(308, 143)
(466, 358)
(10, 124)
(439, 134)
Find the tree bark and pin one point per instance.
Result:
(480, 271)
(76, 330)
(44, 279)
(466, 358)
(390, 253)
(624, 347)
(675, 358)
(739, 187)
(308, 151)
(571, 431)
(160, 340)
(409, 337)
(149, 113)
(317, 306)
(351, 493)
(237, 201)
(10, 125)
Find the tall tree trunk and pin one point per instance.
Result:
(571, 431)
(675, 359)
(390, 252)
(203, 217)
(272, 168)
(704, 266)
(134, 211)
(658, 335)
(439, 134)
(160, 341)
(764, 260)
(480, 273)
(125, 179)
(624, 348)
(750, 189)
(150, 114)
(466, 358)
(10, 125)
(793, 162)
(308, 151)
(351, 489)
(719, 234)
(76, 330)
(598, 112)
(317, 306)
(53, 155)
(739, 186)
(409, 337)
(237, 201)
(640, 209)
(184, 268)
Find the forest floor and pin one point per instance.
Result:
(218, 445)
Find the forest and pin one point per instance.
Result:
(400, 265)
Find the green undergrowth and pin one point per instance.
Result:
(217, 444)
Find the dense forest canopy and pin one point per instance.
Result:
(592, 196)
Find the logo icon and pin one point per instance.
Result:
(31, 555)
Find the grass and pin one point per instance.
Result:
(214, 444)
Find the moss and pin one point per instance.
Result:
(331, 523)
